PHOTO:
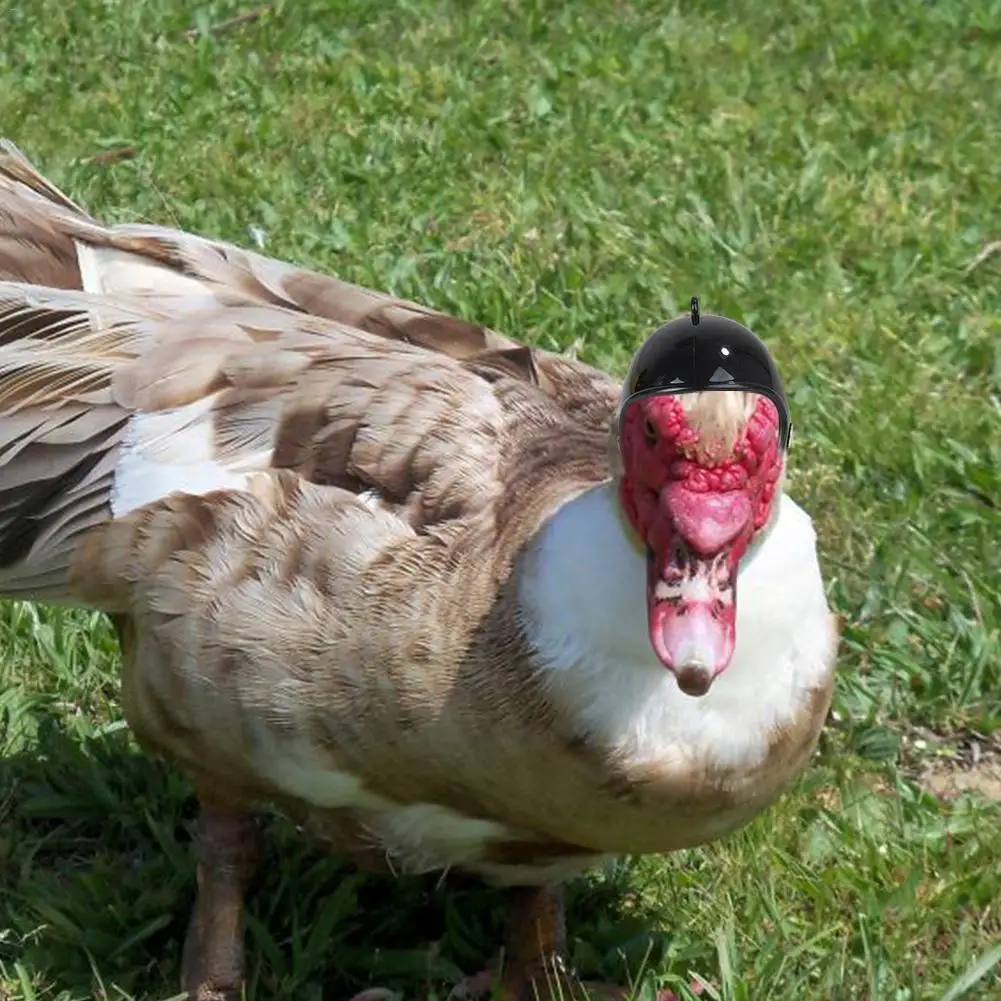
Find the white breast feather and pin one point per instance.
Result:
(584, 604)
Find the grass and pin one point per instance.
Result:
(826, 171)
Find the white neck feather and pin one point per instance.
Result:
(582, 594)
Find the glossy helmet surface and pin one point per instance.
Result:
(694, 353)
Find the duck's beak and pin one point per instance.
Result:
(692, 606)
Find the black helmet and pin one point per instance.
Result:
(696, 353)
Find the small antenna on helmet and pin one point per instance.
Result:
(695, 310)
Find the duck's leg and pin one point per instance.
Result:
(535, 952)
(228, 845)
(536, 966)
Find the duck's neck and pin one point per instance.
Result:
(582, 597)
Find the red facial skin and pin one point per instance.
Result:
(697, 518)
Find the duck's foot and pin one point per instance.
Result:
(212, 967)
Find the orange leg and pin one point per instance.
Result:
(212, 968)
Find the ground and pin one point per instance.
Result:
(829, 172)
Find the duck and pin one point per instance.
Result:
(451, 602)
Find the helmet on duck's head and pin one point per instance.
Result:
(697, 353)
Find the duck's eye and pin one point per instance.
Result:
(650, 431)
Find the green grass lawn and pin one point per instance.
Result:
(829, 171)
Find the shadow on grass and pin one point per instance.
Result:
(97, 880)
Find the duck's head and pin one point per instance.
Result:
(703, 428)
